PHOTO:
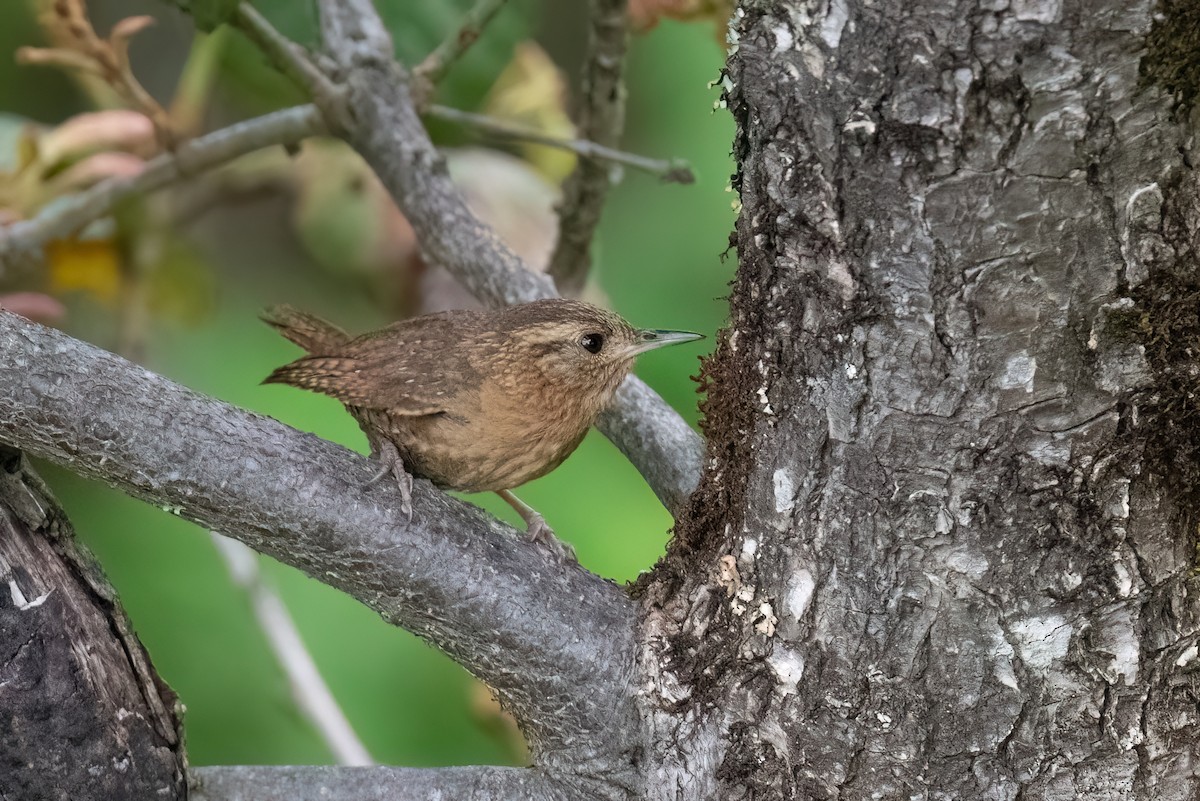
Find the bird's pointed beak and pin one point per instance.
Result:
(651, 339)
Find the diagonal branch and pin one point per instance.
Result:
(435, 66)
(323, 783)
(385, 129)
(601, 120)
(555, 642)
(671, 171)
(312, 695)
(66, 217)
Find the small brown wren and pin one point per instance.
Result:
(473, 400)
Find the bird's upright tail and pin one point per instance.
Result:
(321, 370)
(306, 330)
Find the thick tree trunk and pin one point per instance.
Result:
(82, 714)
(947, 536)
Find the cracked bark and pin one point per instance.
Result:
(946, 543)
(81, 712)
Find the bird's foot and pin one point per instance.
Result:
(542, 535)
(536, 530)
(391, 463)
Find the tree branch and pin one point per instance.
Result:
(435, 66)
(672, 171)
(601, 120)
(65, 218)
(325, 783)
(387, 132)
(312, 695)
(554, 641)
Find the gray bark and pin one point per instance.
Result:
(946, 548)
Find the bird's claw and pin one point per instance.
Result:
(542, 535)
(392, 464)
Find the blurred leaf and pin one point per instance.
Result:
(92, 266)
(343, 215)
(531, 91)
(92, 132)
(14, 142)
(33, 305)
(208, 14)
(182, 287)
(645, 14)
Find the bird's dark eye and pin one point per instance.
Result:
(592, 343)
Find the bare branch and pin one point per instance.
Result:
(555, 642)
(601, 120)
(673, 171)
(438, 63)
(289, 57)
(65, 218)
(324, 783)
(312, 694)
(388, 134)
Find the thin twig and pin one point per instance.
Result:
(435, 66)
(309, 689)
(296, 63)
(65, 218)
(601, 120)
(288, 56)
(672, 171)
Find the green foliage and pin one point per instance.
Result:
(208, 14)
(416, 29)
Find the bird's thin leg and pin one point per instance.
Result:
(386, 453)
(536, 529)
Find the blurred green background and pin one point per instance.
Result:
(659, 262)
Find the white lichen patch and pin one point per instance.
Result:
(800, 589)
(1188, 656)
(1019, 371)
(21, 602)
(1041, 640)
(749, 549)
(1123, 578)
(785, 491)
(788, 667)
(840, 275)
(1043, 11)
(1002, 669)
(834, 23)
(784, 40)
(865, 125)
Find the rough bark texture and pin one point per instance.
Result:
(946, 546)
(82, 715)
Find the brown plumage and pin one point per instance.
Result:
(472, 400)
